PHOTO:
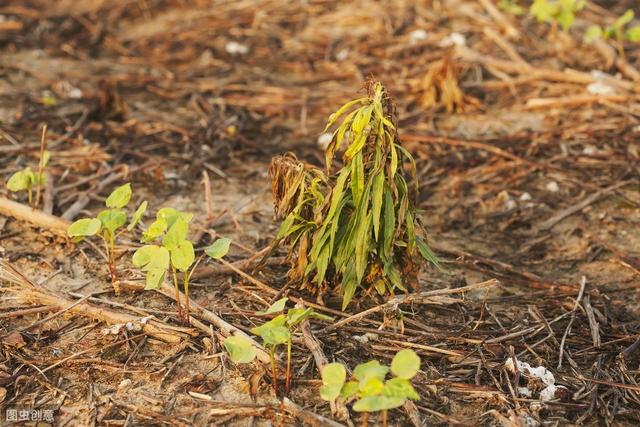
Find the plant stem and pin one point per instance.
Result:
(41, 164)
(112, 264)
(30, 195)
(384, 418)
(365, 416)
(175, 285)
(287, 380)
(272, 358)
(186, 294)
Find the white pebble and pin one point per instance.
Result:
(235, 48)
(418, 35)
(553, 187)
(525, 197)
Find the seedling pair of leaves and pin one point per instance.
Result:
(27, 180)
(357, 228)
(615, 31)
(368, 386)
(176, 253)
(109, 225)
(562, 12)
(277, 331)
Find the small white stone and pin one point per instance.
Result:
(525, 197)
(453, 39)
(553, 186)
(510, 204)
(418, 36)
(235, 48)
(600, 88)
(75, 93)
(589, 150)
(342, 54)
(324, 140)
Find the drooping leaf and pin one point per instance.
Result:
(276, 335)
(137, 215)
(333, 378)
(155, 277)
(120, 197)
(240, 349)
(84, 227)
(219, 248)
(350, 389)
(279, 320)
(371, 386)
(21, 180)
(405, 364)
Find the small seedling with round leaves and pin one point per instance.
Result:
(175, 253)
(368, 386)
(108, 225)
(279, 330)
(615, 31)
(557, 12)
(26, 179)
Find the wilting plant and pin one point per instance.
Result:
(176, 253)
(278, 331)
(358, 226)
(368, 386)
(26, 179)
(108, 225)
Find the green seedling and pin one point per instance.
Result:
(359, 226)
(278, 331)
(368, 386)
(27, 179)
(511, 6)
(615, 31)
(175, 253)
(109, 226)
(561, 12)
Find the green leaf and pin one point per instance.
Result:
(276, 335)
(376, 205)
(155, 230)
(119, 197)
(275, 307)
(377, 403)
(182, 256)
(333, 378)
(371, 386)
(154, 279)
(21, 180)
(400, 387)
(279, 320)
(112, 219)
(84, 227)
(593, 33)
(151, 257)
(633, 34)
(219, 248)
(137, 215)
(427, 253)
(624, 19)
(371, 369)
(170, 215)
(350, 389)
(177, 233)
(44, 160)
(405, 364)
(240, 349)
